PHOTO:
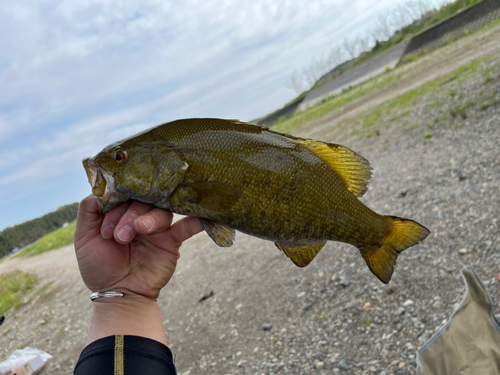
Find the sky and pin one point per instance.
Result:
(78, 75)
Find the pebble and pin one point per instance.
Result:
(301, 294)
(319, 365)
(401, 311)
(343, 365)
(345, 282)
(413, 362)
(438, 304)
(308, 306)
(267, 327)
(408, 302)
(336, 370)
(462, 251)
(401, 365)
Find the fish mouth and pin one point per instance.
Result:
(102, 183)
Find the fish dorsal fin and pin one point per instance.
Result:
(222, 234)
(301, 255)
(354, 169)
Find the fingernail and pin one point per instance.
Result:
(125, 234)
(148, 222)
(107, 231)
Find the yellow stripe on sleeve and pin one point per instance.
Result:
(119, 344)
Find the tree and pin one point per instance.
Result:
(350, 46)
(295, 83)
(337, 56)
(383, 29)
(365, 42)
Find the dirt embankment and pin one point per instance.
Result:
(438, 163)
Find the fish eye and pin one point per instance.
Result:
(120, 156)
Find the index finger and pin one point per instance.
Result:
(182, 230)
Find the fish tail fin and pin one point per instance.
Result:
(404, 233)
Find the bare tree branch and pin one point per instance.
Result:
(295, 83)
(350, 47)
(365, 42)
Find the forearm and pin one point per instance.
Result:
(129, 315)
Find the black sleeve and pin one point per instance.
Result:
(125, 355)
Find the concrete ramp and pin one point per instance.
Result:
(387, 60)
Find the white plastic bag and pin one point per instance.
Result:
(20, 357)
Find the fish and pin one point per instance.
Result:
(296, 192)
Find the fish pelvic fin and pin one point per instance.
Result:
(382, 259)
(301, 255)
(222, 234)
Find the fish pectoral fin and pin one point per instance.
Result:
(222, 234)
(301, 255)
(352, 168)
(382, 259)
(213, 197)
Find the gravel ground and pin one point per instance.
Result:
(437, 163)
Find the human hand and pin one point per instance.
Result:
(133, 248)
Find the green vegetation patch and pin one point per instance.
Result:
(408, 99)
(23, 234)
(51, 241)
(13, 286)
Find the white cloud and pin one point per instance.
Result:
(77, 75)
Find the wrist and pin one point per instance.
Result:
(132, 314)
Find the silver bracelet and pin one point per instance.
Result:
(97, 295)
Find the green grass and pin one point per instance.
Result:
(407, 99)
(51, 241)
(13, 286)
(400, 116)
(460, 110)
(410, 98)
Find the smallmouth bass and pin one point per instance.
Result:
(296, 192)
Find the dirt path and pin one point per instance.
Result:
(334, 309)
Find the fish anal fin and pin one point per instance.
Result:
(222, 234)
(213, 197)
(301, 255)
(352, 168)
(382, 259)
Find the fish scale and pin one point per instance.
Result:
(296, 192)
